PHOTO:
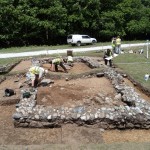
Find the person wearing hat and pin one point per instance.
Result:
(36, 74)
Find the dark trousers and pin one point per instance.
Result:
(36, 81)
(62, 65)
(106, 62)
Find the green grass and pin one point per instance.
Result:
(4, 61)
(89, 53)
(32, 48)
(46, 47)
(135, 65)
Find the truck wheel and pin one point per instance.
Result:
(78, 43)
(93, 42)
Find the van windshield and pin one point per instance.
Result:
(69, 37)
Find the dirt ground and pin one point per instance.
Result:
(74, 92)
(67, 93)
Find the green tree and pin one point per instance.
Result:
(137, 17)
(25, 22)
(82, 16)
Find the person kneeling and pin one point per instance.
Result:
(108, 57)
(36, 74)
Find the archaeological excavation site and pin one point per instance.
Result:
(90, 96)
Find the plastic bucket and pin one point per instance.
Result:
(69, 53)
(146, 77)
(9, 92)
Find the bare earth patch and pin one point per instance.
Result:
(67, 93)
(73, 92)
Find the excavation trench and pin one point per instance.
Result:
(87, 100)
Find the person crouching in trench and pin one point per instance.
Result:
(36, 74)
(54, 64)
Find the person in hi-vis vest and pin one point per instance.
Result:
(113, 43)
(55, 62)
(36, 74)
(118, 45)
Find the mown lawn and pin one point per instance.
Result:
(136, 65)
(5, 61)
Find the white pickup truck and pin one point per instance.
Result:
(77, 39)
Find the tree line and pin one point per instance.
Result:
(39, 22)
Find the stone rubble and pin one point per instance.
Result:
(90, 62)
(135, 113)
(8, 67)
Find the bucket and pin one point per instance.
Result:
(146, 77)
(9, 92)
(69, 53)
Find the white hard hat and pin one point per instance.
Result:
(46, 71)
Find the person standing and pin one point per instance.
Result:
(113, 42)
(108, 57)
(118, 45)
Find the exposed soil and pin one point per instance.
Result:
(137, 90)
(74, 92)
(68, 93)
(23, 66)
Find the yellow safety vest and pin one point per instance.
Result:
(56, 61)
(118, 41)
(35, 70)
(113, 43)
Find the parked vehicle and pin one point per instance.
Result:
(77, 39)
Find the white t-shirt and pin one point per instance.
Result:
(41, 72)
(70, 59)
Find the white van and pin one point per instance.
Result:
(77, 39)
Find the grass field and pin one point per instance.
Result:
(4, 61)
(135, 64)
